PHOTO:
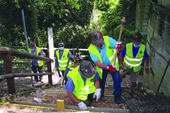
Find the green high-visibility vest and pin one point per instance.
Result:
(63, 61)
(132, 62)
(110, 52)
(40, 63)
(82, 89)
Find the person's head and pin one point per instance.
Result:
(32, 45)
(137, 38)
(87, 68)
(61, 46)
(97, 39)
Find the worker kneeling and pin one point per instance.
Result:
(83, 84)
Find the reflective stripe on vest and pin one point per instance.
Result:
(63, 61)
(40, 63)
(110, 51)
(82, 89)
(130, 61)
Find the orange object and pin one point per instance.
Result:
(60, 104)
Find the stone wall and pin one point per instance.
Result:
(142, 15)
(164, 3)
(158, 45)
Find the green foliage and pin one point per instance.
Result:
(71, 21)
(73, 36)
(112, 16)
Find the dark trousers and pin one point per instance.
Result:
(36, 69)
(68, 69)
(89, 99)
(116, 81)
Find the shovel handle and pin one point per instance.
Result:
(120, 34)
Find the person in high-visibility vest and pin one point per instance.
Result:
(83, 85)
(132, 57)
(102, 51)
(62, 56)
(37, 65)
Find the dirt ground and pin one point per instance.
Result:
(143, 102)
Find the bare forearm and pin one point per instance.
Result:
(121, 59)
(97, 84)
(101, 65)
(147, 61)
(71, 95)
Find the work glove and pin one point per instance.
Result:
(119, 45)
(111, 68)
(79, 56)
(82, 106)
(97, 94)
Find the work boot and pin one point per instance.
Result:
(117, 99)
(132, 94)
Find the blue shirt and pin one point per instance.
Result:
(34, 62)
(103, 52)
(135, 51)
(60, 55)
(70, 85)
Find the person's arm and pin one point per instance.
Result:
(97, 92)
(70, 88)
(121, 58)
(112, 42)
(56, 64)
(71, 57)
(43, 53)
(96, 60)
(71, 95)
(101, 65)
(97, 84)
(147, 65)
(146, 62)
(111, 68)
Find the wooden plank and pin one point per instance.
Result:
(95, 109)
(22, 75)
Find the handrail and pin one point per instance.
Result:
(22, 75)
(7, 52)
(23, 54)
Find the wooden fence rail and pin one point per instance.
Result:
(7, 54)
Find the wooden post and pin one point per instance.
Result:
(51, 51)
(9, 69)
(49, 70)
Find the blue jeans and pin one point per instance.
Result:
(66, 75)
(116, 81)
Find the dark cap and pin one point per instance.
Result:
(97, 38)
(137, 37)
(61, 44)
(87, 68)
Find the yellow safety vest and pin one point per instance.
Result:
(82, 89)
(132, 62)
(40, 63)
(63, 61)
(110, 51)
